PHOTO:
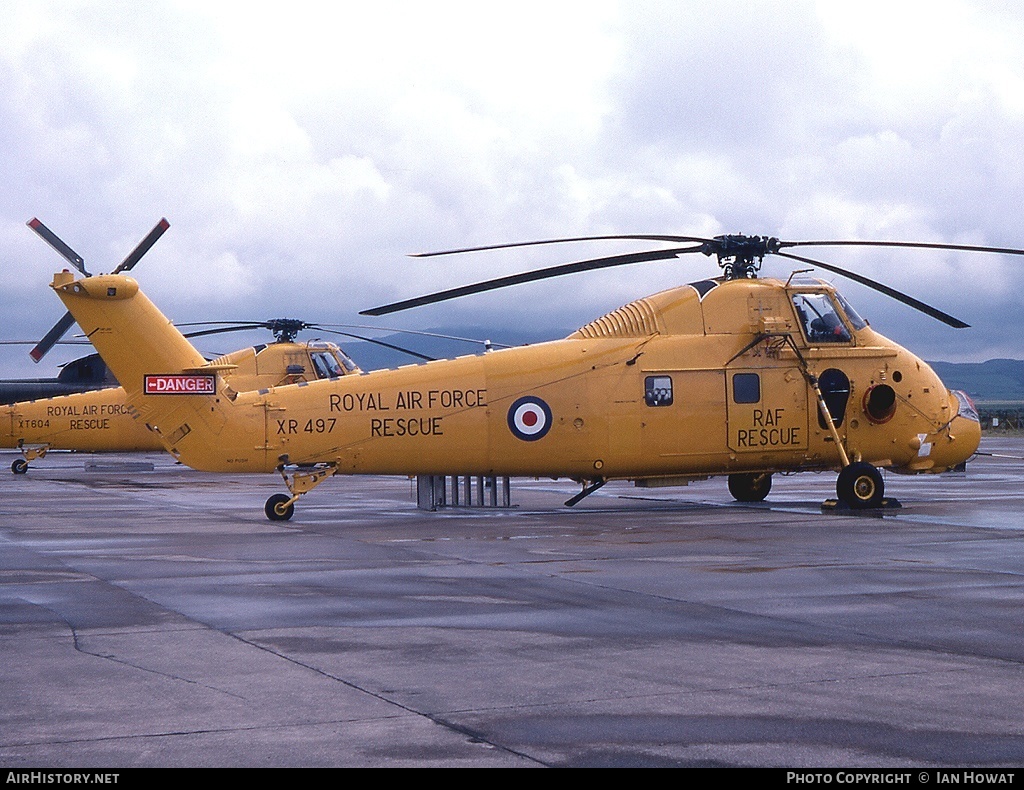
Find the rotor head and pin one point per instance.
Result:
(285, 329)
(740, 256)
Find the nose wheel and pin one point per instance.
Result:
(860, 485)
(279, 507)
(20, 466)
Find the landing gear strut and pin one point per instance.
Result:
(750, 486)
(860, 484)
(281, 507)
(30, 452)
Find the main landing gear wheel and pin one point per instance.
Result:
(750, 486)
(860, 485)
(275, 509)
(20, 466)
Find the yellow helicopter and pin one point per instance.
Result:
(738, 376)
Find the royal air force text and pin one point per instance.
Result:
(391, 426)
(408, 399)
(93, 416)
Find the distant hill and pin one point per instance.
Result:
(986, 382)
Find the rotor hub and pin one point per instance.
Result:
(285, 329)
(740, 256)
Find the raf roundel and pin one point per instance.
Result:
(529, 418)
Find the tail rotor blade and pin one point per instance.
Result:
(75, 260)
(62, 249)
(135, 255)
(52, 337)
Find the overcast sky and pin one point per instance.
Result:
(300, 150)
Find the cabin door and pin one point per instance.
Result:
(767, 410)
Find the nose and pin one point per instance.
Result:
(961, 438)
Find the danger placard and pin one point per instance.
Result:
(180, 384)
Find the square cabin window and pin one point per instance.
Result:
(658, 390)
(746, 388)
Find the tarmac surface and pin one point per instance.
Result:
(157, 618)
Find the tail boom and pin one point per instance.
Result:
(140, 345)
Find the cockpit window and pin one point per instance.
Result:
(851, 314)
(819, 319)
(346, 361)
(326, 365)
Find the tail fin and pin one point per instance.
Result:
(142, 348)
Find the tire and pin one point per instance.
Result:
(860, 485)
(750, 486)
(272, 504)
(20, 466)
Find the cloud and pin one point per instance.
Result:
(301, 151)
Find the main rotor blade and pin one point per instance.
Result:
(245, 323)
(899, 296)
(424, 357)
(920, 245)
(133, 257)
(641, 236)
(474, 340)
(52, 337)
(526, 277)
(239, 327)
(221, 330)
(62, 249)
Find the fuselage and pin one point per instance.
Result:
(713, 378)
(98, 421)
